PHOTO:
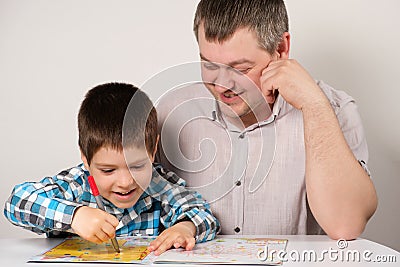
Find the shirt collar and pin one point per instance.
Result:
(280, 108)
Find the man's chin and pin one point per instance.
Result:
(232, 111)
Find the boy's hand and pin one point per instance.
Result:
(93, 224)
(180, 235)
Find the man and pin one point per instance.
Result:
(287, 158)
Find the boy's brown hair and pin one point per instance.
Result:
(116, 115)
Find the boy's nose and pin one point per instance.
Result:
(126, 179)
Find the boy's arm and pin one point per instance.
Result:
(180, 204)
(48, 205)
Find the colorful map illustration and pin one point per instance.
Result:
(76, 249)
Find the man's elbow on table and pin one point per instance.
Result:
(349, 230)
(349, 223)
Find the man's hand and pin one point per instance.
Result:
(293, 82)
(93, 224)
(180, 235)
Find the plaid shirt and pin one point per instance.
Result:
(48, 206)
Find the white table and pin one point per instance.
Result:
(301, 251)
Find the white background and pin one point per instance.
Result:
(52, 52)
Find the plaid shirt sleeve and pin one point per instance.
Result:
(180, 203)
(47, 205)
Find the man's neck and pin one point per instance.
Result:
(258, 114)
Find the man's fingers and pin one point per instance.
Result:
(269, 84)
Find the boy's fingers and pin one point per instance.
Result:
(91, 238)
(157, 242)
(95, 239)
(179, 242)
(164, 246)
(190, 244)
(109, 230)
(102, 236)
(112, 220)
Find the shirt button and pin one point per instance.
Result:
(58, 225)
(237, 229)
(238, 183)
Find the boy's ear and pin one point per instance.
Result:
(84, 160)
(155, 149)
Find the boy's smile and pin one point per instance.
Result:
(119, 182)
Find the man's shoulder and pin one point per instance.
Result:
(337, 98)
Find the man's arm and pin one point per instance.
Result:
(340, 193)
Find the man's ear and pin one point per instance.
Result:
(284, 46)
(84, 160)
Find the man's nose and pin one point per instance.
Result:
(224, 80)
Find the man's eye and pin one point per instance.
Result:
(210, 65)
(244, 71)
(107, 170)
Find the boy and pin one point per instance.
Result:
(118, 140)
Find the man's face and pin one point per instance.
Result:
(236, 83)
(121, 182)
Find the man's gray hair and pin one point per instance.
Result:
(221, 18)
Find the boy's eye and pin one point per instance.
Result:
(137, 167)
(107, 170)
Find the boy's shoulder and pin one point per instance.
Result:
(163, 173)
(74, 172)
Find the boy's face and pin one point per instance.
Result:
(119, 181)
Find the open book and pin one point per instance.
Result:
(232, 250)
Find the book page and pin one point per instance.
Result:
(76, 249)
(228, 251)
